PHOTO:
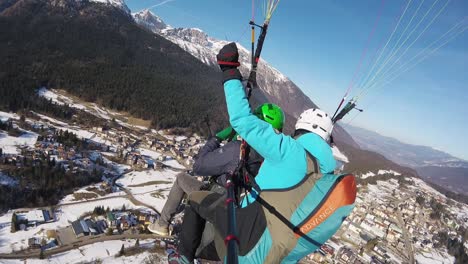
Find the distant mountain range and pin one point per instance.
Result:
(434, 165)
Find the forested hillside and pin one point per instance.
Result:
(98, 53)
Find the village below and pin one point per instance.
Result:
(120, 175)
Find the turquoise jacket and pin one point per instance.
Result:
(283, 154)
(285, 165)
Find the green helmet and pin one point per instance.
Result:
(272, 114)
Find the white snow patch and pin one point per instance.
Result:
(117, 3)
(54, 121)
(4, 116)
(434, 258)
(380, 172)
(10, 144)
(174, 164)
(58, 98)
(101, 113)
(48, 94)
(180, 138)
(367, 175)
(144, 192)
(142, 177)
(150, 153)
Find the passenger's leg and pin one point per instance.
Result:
(184, 183)
(202, 206)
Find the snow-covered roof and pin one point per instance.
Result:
(32, 216)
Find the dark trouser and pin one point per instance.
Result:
(209, 206)
(184, 184)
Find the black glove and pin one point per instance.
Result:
(228, 60)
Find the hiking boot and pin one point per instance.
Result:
(158, 229)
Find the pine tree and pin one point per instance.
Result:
(13, 223)
(110, 231)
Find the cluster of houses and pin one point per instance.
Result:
(374, 222)
(347, 255)
(114, 220)
(376, 225)
(47, 240)
(324, 254)
(53, 152)
(420, 225)
(182, 148)
(137, 160)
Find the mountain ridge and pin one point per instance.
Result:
(414, 155)
(433, 165)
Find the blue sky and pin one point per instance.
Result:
(318, 45)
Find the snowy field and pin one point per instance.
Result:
(380, 172)
(72, 199)
(150, 153)
(103, 251)
(10, 144)
(367, 175)
(150, 187)
(170, 137)
(58, 99)
(4, 116)
(93, 109)
(174, 164)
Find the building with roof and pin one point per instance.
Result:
(34, 217)
(111, 220)
(80, 228)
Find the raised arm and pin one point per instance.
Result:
(259, 134)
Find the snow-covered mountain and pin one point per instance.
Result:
(276, 86)
(117, 3)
